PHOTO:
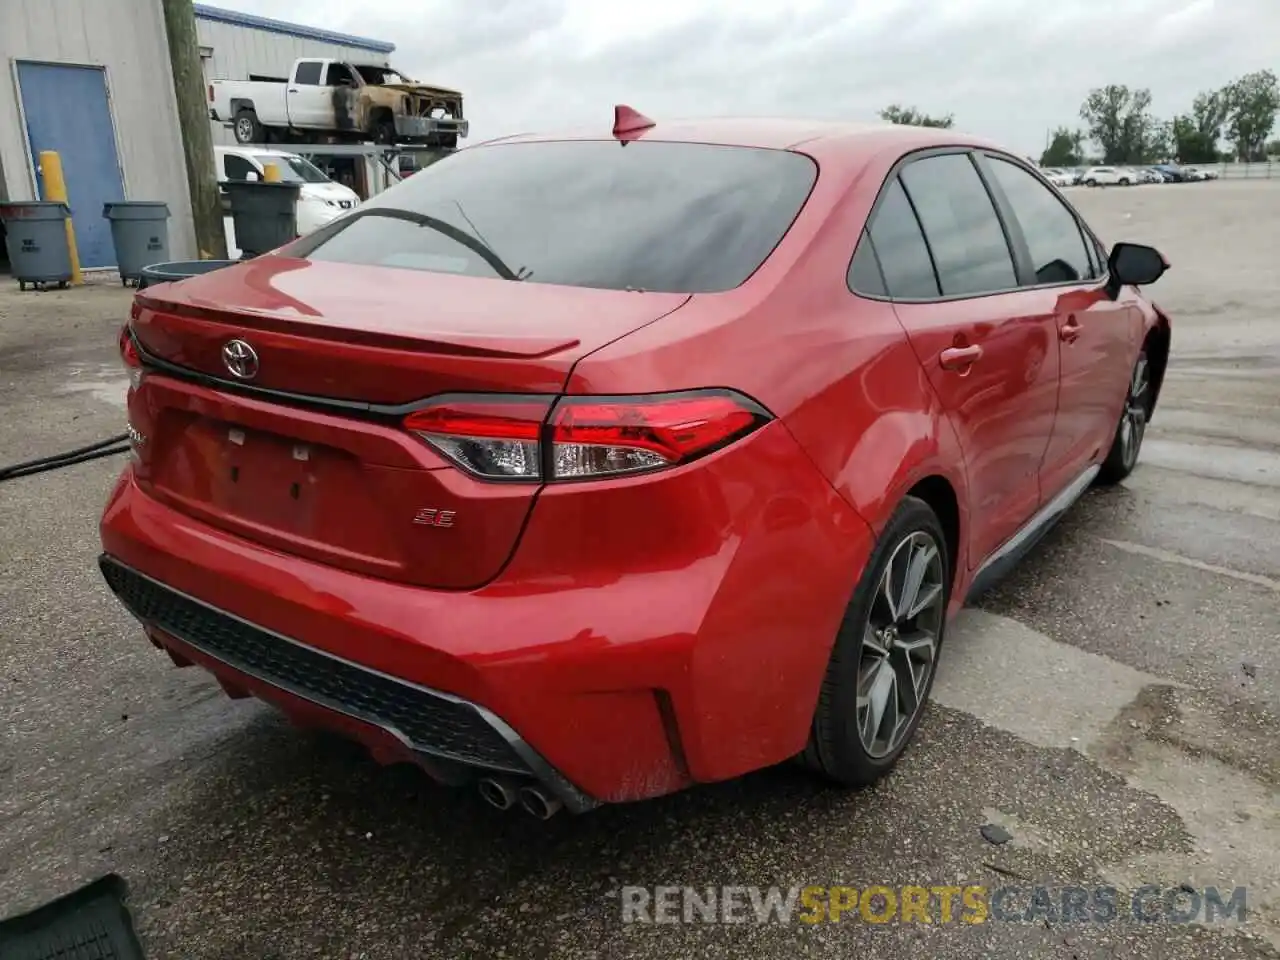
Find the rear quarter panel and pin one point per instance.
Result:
(268, 99)
(837, 369)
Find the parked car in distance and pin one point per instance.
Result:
(1172, 172)
(320, 200)
(1200, 173)
(1150, 175)
(582, 474)
(1109, 177)
(1060, 178)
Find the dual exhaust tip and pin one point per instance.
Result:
(503, 795)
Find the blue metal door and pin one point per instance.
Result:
(66, 109)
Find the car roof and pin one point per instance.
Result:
(822, 139)
(256, 151)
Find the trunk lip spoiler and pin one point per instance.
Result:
(378, 411)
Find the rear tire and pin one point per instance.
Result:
(883, 662)
(1122, 458)
(1091, 182)
(247, 128)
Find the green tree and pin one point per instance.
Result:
(1191, 142)
(1209, 111)
(1066, 149)
(911, 117)
(1252, 102)
(1118, 120)
(1161, 144)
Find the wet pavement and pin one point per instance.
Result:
(1111, 709)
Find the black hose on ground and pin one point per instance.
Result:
(103, 448)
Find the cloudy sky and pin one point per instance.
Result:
(1007, 69)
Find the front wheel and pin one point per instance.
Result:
(1124, 182)
(1123, 455)
(882, 664)
(384, 131)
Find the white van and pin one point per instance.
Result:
(320, 199)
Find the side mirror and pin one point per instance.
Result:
(251, 176)
(1135, 264)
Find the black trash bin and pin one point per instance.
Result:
(140, 233)
(178, 270)
(36, 238)
(265, 214)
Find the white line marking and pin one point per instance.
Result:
(1166, 556)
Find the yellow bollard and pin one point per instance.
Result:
(270, 173)
(55, 190)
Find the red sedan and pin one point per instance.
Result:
(586, 468)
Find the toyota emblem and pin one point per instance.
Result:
(240, 359)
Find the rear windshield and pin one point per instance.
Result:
(666, 217)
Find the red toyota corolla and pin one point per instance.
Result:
(585, 468)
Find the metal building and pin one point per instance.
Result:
(91, 79)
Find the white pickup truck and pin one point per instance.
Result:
(353, 101)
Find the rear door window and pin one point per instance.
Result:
(666, 217)
(960, 222)
(1052, 233)
(900, 246)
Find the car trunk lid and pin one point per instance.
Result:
(306, 453)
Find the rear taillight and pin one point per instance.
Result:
(492, 437)
(130, 358)
(582, 438)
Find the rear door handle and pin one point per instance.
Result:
(959, 358)
(1070, 330)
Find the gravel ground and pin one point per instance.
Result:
(1111, 709)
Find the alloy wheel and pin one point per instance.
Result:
(900, 644)
(1133, 422)
(244, 130)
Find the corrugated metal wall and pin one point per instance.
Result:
(126, 37)
(238, 51)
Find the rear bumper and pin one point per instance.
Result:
(450, 737)
(622, 654)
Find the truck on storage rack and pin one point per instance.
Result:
(342, 99)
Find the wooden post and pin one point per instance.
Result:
(193, 118)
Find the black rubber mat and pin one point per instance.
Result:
(91, 923)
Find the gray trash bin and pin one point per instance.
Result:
(140, 233)
(36, 237)
(265, 215)
(178, 270)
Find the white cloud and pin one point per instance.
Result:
(1008, 69)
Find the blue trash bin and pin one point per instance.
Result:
(36, 238)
